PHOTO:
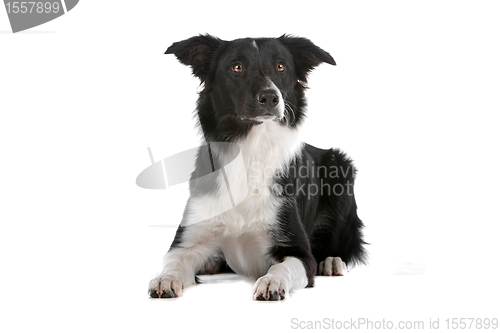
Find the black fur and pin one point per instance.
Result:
(330, 219)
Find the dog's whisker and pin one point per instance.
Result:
(290, 111)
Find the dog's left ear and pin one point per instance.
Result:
(196, 52)
(306, 55)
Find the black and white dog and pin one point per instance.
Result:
(262, 203)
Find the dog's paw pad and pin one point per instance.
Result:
(153, 293)
(270, 288)
(332, 266)
(165, 286)
(274, 296)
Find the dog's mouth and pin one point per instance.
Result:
(260, 119)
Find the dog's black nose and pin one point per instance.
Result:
(268, 98)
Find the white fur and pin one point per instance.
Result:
(281, 104)
(332, 266)
(247, 253)
(241, 231)
(281, 278)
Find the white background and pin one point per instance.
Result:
(414, 101)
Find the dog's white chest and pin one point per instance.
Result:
(266, 151)
(242, 210)
(247, 253)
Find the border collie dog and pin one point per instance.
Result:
(262, 203)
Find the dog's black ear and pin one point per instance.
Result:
(196, 52)
(306, 55)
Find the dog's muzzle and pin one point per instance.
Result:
(269, 105)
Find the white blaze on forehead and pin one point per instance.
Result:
(254, 43)
(281, 103)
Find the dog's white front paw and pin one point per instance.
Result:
(270, 288)
(165, 286)
(332, 266)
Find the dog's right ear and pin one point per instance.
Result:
(196, 52)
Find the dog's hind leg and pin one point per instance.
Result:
(337, 230)
(332, 266)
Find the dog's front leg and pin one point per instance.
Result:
(280, 279)
(296, 267)
(180, 265)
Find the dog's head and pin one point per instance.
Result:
(250, 80)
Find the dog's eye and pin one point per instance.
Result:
(237, 68)
(280, 67)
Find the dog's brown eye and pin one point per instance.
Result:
(237, 68)
(280, 67)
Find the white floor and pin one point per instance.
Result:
(362, 298)
(413, 99)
